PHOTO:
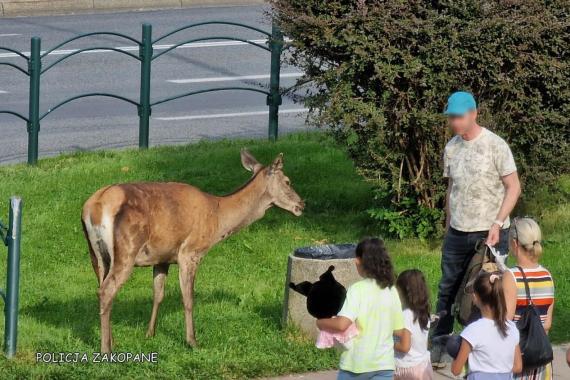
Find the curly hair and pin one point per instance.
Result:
(375, 261)
(414, 293)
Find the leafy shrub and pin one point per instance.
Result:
(378, 74)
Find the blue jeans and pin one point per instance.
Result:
(458, 250)
(376, 375)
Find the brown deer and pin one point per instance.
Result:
(158, 224)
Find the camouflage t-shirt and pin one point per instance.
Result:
(477, 191)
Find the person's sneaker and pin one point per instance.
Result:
(438, 352)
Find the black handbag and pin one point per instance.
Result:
(534, 343)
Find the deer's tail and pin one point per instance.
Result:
(98, 229)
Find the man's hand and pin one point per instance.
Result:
(493, 237)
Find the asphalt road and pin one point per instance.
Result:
(95, 123)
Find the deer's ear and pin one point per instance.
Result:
(277, 163)
(249, 162)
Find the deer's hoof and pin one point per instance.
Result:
(192, 343)
(150, 333)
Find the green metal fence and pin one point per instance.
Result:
(10, 235)
(146, 56)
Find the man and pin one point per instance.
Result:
(483, 188)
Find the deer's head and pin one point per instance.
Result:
(277, 184)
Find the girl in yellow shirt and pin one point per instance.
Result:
(374, 305)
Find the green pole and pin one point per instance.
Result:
(274, 97)
(13, 278)
(34, 69)
(145, 53)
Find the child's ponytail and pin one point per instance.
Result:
(489, 289)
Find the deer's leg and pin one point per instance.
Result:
(107, 292)
(159, 273)
(188, 263)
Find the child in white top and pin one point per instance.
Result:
(491, 344)
(411, 346)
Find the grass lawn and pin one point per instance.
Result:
(240, 283)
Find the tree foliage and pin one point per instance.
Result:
(378, 74)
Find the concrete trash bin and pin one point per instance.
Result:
(307, 264)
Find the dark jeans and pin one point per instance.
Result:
(458, 250)
(453, 345)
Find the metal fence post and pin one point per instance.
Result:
(34, 69)
(145, 53)
(13, 277)
(274, 97)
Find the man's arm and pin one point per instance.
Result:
(512, 193)
(447, 212)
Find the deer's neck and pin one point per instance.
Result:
(243, 207)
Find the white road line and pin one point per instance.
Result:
(226, 115)
(155, 47)
(224, 79)
(3, 92)
(10, 35)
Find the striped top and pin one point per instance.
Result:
(541, 290)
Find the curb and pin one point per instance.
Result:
(560, 368)
(11, 8)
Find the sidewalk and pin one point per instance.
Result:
(561, 370)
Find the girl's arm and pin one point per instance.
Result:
(334, 325)
(461, 359)
(518, 364)
(510, 289)
(405, 342)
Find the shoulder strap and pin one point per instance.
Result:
(527, 289)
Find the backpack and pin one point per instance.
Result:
(483, 260)
(534, 343)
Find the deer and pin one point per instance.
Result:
(161, 223)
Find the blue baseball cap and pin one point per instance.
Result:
(459, 103)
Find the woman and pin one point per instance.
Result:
(525, 246)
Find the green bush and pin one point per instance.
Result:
(378, 74)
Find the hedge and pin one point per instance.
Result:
(378, 74)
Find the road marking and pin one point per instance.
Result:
(224, 79)
(155, 47)
(226, 115)
(3, 92)
(10, 35)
